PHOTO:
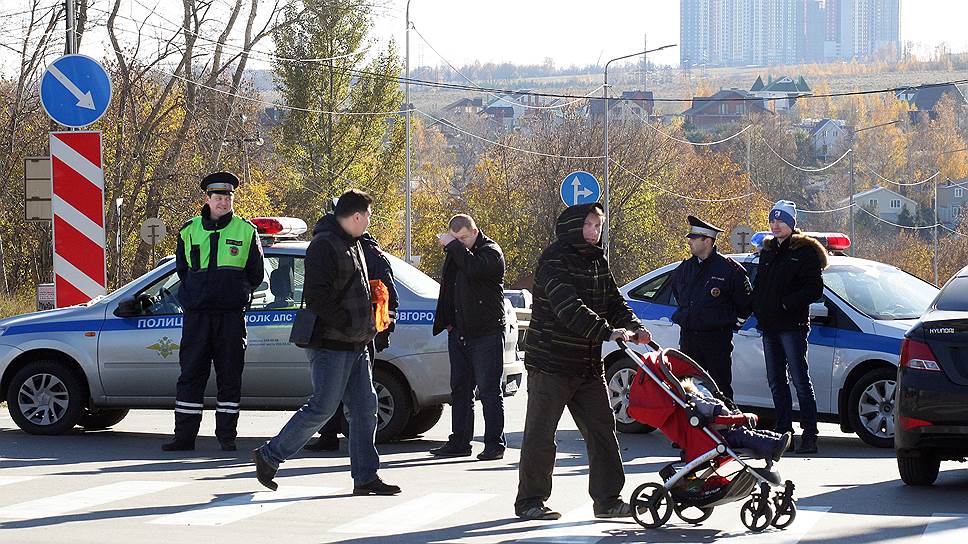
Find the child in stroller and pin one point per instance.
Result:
(711, 472)
(741, 432)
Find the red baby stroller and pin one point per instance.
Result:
(710, 473)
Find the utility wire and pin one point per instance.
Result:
(498, 97)
(506, 146)
(680, 196)
(882, 220)
(898, 183)
(801, 168)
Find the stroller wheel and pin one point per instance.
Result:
(688, 513)
(651, 505)
(786, 512)
(756, 517)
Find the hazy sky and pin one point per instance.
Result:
(581, 32)
(518, 31)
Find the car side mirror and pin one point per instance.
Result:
(135, 306)
(819, 312)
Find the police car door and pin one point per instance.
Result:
(653, 303)
(138, 354)
(277, 373)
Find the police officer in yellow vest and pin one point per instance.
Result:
(219, 263)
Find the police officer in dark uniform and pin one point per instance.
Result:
(219, 262)
(715, 298)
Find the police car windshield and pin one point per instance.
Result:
(413, 279)
(880, 291)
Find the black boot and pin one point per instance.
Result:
(808, 444)
(325, 442)
(178, 444)
(263, 470)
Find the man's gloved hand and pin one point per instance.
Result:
(751, 420)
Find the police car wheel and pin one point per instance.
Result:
(102, 419)
(423, 421)
(46, 397)
(619, 381)
(871, 407)
(393, 405)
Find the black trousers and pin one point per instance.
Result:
(210, 338)
(587, 400)
(713, 350)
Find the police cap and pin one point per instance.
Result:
(698, 227)
(220, 182)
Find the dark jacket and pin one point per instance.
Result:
(472, 289)
(213, 288)
(576, 303)
(788, 279)
(337, 289)
(712, 294)
(379, 268)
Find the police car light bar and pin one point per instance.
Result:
(279, 226)
(833, 241)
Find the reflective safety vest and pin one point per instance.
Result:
(232, 250)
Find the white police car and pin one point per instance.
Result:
(854, 342)
(89, 364)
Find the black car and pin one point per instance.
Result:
(932, 387)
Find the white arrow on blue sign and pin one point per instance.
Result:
(75, 90)
(580, 187)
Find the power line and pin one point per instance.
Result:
(900, 184)
(842, 208)
(882, 220)
(500, 98)
(250, 52)
(494, 90)
(802, 168)
(684, 197)
(506, 146)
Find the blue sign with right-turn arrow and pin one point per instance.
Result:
(75, 90)
(580, 188)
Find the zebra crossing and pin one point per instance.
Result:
(446, 515)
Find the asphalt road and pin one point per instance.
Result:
(117, 486)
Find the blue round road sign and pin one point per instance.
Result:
(75, 90)
(580, 187)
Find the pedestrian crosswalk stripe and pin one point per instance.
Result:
(238, 508)
(577, 526)
(413, 514)
(10, 480)
(83, 499)
(945, 528)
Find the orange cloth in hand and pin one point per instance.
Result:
(381, 304)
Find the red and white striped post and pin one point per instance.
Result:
(77, 202)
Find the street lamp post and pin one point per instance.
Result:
(605, 230)
(408, 252)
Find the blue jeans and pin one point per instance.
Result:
(480, 362)
(783, 350)
(337, 376)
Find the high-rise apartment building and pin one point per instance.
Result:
(763, 32)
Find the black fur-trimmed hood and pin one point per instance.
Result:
(798, 241)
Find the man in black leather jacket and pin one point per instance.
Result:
(471, 308)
